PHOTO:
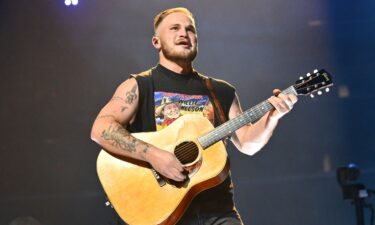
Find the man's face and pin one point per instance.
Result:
(171, 111)
(178, 38)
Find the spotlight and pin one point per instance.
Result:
(346, 174)
(347, 177)
(71, 2)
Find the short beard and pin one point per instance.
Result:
(178, 56)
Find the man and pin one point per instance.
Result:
(132, 109)
(167, 112)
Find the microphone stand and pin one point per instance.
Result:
(358, 193)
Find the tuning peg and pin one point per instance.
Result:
(320, 92)
(308, 74)
(312, 96)
(327, 89)
(316, 70)
(301, 78)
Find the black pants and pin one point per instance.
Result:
(211, 218)
(202, 218)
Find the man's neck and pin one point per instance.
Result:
(177, 67)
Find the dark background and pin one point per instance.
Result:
(59, 65)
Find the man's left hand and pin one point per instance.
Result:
(283, 103)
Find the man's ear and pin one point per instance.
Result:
(156, 42)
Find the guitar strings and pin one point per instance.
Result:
(186, 152)
(186, 146)
(249, 115)
(181, 150)
(189, 150)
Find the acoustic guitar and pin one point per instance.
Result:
(141, 196)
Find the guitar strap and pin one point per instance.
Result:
(207, 81)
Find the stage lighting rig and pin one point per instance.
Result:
(71, 2)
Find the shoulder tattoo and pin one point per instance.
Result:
(129, 98)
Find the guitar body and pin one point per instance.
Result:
(133, 189)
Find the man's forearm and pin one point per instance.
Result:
(113, 137)
(253, 137)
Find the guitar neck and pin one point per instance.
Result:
(251, 115)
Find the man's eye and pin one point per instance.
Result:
(174, 28)
(191, 30)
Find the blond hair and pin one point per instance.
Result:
(160, 17)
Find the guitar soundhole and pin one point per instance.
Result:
(186, 152)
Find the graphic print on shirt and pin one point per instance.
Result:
(170, 106)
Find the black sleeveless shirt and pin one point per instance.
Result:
(159, 87)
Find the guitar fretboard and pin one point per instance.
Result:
(249, 116)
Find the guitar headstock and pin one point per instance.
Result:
(315, 82)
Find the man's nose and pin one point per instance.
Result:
(183, 32)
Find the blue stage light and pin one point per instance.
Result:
(75, 2)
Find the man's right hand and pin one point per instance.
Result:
(166, 164)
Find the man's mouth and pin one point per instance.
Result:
(185, 44)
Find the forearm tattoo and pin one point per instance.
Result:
(121, 138)
(116, 134)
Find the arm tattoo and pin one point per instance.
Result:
(118, 98)
(123, 108)
(121, 138)
(146, 146)
(131, 95)
(104, 116)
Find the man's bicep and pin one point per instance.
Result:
(123, 105)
